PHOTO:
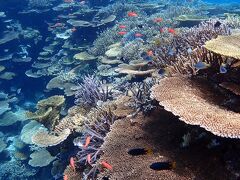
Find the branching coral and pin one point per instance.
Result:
(183, 50)
(140, 93)
(95, 129)
(91, 91)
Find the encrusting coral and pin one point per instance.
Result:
(194, 103)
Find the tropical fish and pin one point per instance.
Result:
(158, 166)
(88, 139)
(122, 26)
(223, 68)
(132, 14)
(146, 57)
(189, 50)
(68, 1)
(122, 33)
(57, 25)
(172, 31)
(89, 159)
(150, 53)
(72, 164)
(171, 52)
(139, 151)
(73, 29)
(201, 65)
(157, 20)
(161, 30)
(65, 177)
(138, 35)
(217, 24)
(106, 165)
(162, 72)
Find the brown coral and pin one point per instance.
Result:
(161, 132)
(193, 103)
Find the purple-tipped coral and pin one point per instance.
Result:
(140, 92)
(91, 91)
(90, 152)
(184, 49)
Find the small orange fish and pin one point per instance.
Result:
(172, 31)
(122, 33)
(150, 53)
(72, 164)
(57, 25)
(138, 35)
(122, 26)
(65, 177)
(89, 159)
(88, 139)
(73, 29)
(106, 165)
(157, 20)
(132, 14)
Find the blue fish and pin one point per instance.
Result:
(171, 52)
(162, 72)
(201, 65)
(223, 68)
(189, 50)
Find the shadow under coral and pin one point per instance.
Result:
(162, 132)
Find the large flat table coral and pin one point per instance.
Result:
(193, 103)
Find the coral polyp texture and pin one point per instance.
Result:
(225, 45)
(194, 104)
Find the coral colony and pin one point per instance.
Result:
(121, 90)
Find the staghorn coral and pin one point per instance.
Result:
(183, 50)
(90, 91)
(140, 96)
(96, 128)
(71, 174)
(196, 104)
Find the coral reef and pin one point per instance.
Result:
(43, 139)
(225, 46)
(40, 158)
(194, 104)
(48, 111)
(91, 91)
